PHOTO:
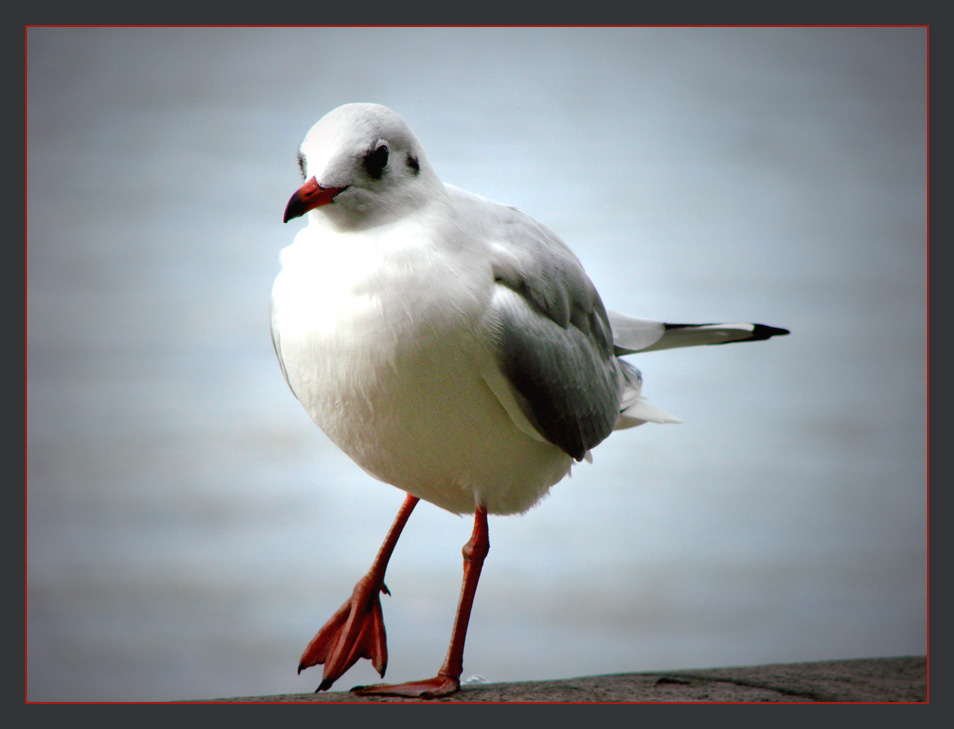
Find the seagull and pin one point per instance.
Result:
(452, 346)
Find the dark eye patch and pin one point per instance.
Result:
(301, 164)
(376, 160)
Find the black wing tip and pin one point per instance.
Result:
(758, 333)
(764, 331)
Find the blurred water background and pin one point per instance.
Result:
(188, 527)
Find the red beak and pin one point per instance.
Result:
(308, 196)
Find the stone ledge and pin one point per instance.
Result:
(870, 680)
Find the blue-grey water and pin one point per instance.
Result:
(189, 528)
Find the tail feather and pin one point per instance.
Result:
(634, 409)
(641, 335)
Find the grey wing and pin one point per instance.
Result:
(554, 343)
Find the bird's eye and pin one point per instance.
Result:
(376, 160)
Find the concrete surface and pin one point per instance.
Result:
(865, 680)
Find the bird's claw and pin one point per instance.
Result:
(430, 688)
(355, 631)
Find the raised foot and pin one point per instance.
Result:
(430, 688)
(355, 631)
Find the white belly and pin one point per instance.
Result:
(390, 356)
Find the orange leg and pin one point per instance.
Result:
(357, 629)
(447, 680)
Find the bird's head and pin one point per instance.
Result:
(362, 167)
